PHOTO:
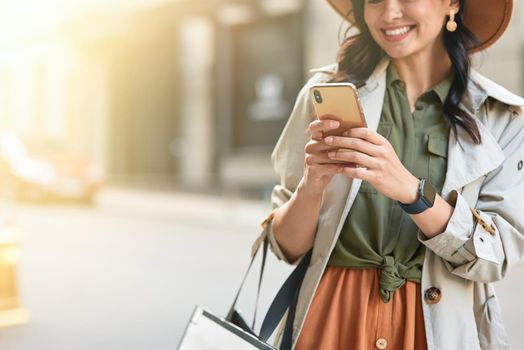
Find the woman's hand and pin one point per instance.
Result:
(380, 165)
(319, 169)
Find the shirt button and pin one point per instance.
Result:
(419, 107)
(381, 343)
(432, 295)
(519, 166)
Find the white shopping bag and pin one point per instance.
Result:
(206, 331)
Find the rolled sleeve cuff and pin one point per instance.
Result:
(267, 232)
(450, 244)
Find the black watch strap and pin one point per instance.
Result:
(425, 200)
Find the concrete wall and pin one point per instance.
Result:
(321, 35)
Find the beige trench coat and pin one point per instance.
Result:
(464, 259)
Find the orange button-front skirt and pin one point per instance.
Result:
(348, 313)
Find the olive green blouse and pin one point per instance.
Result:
(377, 232)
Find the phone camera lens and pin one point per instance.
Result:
(317, 95)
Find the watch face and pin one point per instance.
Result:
(429, 193)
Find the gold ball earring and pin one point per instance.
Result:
(451, 25)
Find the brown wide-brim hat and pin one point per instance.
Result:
(487, 19)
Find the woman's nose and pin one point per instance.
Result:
(392, 10)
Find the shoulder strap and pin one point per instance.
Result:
(285, 299)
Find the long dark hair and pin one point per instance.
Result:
(359, 54)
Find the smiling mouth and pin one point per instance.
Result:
(397, 32)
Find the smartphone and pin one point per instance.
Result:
(338, 101)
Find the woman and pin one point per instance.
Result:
(405, 246)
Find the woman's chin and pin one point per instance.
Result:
(398, 53)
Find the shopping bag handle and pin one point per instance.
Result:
(262, 268)
(285, 300)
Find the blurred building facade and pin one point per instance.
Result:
(184, 94)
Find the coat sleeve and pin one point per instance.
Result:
(288, 159)
(482, 243)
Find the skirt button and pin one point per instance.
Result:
(381, 343)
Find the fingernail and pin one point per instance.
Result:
(334, 124)
(329, 139)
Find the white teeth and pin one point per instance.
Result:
(398, 31)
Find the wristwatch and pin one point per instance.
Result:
(425, 200)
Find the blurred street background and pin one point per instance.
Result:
(135, 141)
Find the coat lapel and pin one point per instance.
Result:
(468, 161)
(372, 95)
